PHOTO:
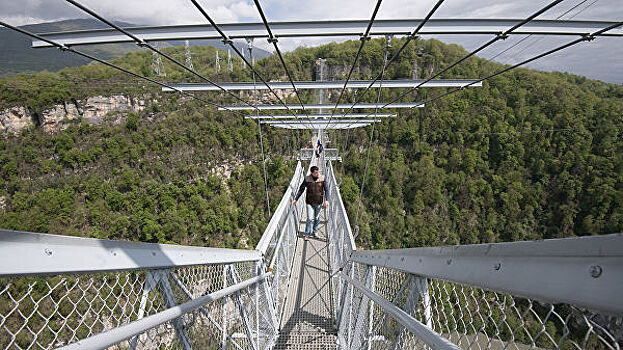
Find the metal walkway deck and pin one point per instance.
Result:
(307, 321)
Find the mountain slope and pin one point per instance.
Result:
(529, 155)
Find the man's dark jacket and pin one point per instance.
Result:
(316, 190)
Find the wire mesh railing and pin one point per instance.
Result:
(93, 302)
(278, 242)
(341, 240)
(480, 297)
(469, 317)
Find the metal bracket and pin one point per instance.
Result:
(202, 309)
(243, 312)
(159, 278)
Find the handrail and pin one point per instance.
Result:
(119, 334)
(584, 271)
(28, 253)
(341, 208)
(283, 206)
(433, 339)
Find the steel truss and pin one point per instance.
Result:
(327, 28)
(336, 84)
(323, 106)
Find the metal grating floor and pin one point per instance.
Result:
(307, 321)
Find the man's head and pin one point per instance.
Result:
(314, 171)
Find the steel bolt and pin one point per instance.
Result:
(497, 266)
(596, 271)
(48, 251)
(449, 261)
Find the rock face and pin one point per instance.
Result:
(94, 110)
(15, 119)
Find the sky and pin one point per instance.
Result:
(600, 59)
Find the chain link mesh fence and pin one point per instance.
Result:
(46, 312)
(470, 317)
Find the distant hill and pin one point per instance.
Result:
(528, 155)
(17, 56)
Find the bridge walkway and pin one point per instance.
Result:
(307, 321)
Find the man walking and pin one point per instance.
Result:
(317, 190)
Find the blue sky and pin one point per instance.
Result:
(601, 59)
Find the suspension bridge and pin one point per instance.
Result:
(317, 293)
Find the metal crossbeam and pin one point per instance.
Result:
(319, 125)
(336, 84)
(320, 117)
(327, 28)
(52, 254)
(323, 106)
(319, 121)
(585, 271)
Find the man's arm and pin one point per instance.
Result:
(326, 190)
(300, 191)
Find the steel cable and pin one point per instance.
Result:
(273, 41)
(499, 36)
(365, 37)
(142, 43)
(411, 37)
(529, 36)
(85, 55)
(378, 99)
(226, 40)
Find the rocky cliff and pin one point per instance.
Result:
(94, 110)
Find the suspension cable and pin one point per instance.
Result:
(410, 37)
(541, 38)
(228, 41)
(259, 128)
(142, 43)
(365, 37)
(586, 37)
(378, 99)
(273, 40)
(500, 36)
(529, 36)
(127, 71)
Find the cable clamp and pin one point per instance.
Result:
(227, 41)
(365, 37)
(502, 36)
(142, 43)
(588, 37)
(272, 40)
(413, 36)
(63, 47)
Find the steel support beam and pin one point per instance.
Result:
(327, 28)
(426, 334)
(53, 255)
(583, 271)
(121, 333)
(320, 126)
(323, 106)
(320, 121)
(336, 84)
(320, 117)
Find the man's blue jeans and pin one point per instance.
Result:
(312, 214)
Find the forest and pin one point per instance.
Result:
(530, 155)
